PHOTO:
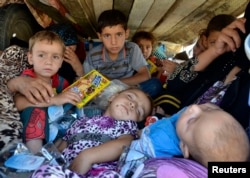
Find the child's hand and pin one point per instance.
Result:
(71, 58)
(168, 66)
(66, 97)
(81, 163)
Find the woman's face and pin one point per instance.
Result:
(212, 37)
(200, 46)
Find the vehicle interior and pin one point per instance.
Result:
(176, 24)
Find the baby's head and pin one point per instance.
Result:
(207, 133)
(130, 104)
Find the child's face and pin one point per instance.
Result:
(198, 122)
(46, 58)
(131, 104)
(146, 47)
(113, 38)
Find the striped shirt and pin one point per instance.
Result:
(130, 59)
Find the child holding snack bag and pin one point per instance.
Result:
(46, 51)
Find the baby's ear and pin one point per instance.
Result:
(184, 149)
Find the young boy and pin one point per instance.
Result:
(74, 54)
(202, 132)
(117, 59)
(46, 50)
(92, 145)
(146, 41)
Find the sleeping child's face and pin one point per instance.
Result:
(131, 104)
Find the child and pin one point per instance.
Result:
(146, 41)
(117, 59)
(92, 145)
(202, 132)
(74, 54)
(46, 51)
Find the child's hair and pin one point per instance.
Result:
(111, 18)
(45, 35)
(218, 22)
(230, 143)
(144, 35)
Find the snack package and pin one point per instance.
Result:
(89, 86)
(151, 66)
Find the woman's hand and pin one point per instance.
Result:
(34, 89)
(229, 38)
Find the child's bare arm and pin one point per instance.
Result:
(63, 144)
(21, 101)
(106, 152)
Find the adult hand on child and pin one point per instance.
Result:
(34, 89)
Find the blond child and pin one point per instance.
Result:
(46, 50)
